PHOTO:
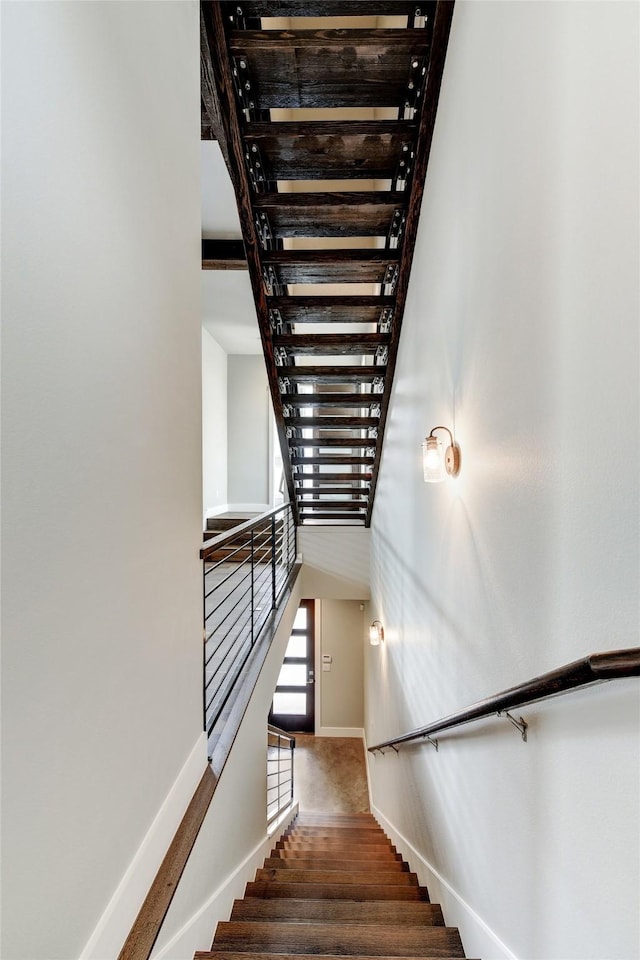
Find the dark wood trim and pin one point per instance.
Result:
(143, 934)
(596, 668)
(440, 40)
(223, 255)
(209, 103)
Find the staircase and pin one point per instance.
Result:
(238, 549)
(334, 886)
(324, 111)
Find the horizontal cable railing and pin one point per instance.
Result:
(245, 573)
(596, 668)
(280, 746)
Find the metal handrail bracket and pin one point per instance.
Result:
(596, 668)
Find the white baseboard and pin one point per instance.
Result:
(486, 942)
(199, 928)
(115, 923)
(340, 732)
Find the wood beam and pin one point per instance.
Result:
(223, 255)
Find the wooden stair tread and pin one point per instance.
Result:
(327, 344)
(235, 955)
(340, 265)
(329, 8)
(335, 843)
(341, 939)
(338, 911)
(337, 400)
(316, 480)
(304, 494)
(350, 443)
(330, 422)
(356, 214)
(326, 374)
(331, 150)
(331, 309)
(317, 890)
(386, 877)
(369, 68)
(334, 829)
(346, 865)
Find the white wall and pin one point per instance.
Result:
(521, 331)
(340, 635)
(102, 633)
(336, 562)
(214, 424)
(235, 827)
(248, 406)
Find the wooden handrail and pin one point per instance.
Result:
(210, 546)
(596, 668)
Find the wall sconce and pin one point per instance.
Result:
(438, 464)
(376, 633)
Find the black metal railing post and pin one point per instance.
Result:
(280, 771)
(245, 573)
(273, 561)
(253, 598)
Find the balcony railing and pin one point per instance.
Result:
(280, 746)
(245, 573)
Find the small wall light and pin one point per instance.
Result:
(438, 464)
(376, 633)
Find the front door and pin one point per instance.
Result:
(293, 701)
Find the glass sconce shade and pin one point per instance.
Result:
(438, 463)
(433, 460)
(376, 633)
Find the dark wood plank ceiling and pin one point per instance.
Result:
(303, 225)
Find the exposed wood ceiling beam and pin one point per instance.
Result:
(223, 255)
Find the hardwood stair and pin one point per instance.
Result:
(239, 549)
(334, 886)
(326, 198)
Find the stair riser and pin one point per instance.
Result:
(352, 866)
(334, 891)
(331, 843)
(337, 876)
(346, 836)
(352, 853)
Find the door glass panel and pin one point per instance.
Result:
(297, 646)
(300, 622)
(289, 703)
(293, 675)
